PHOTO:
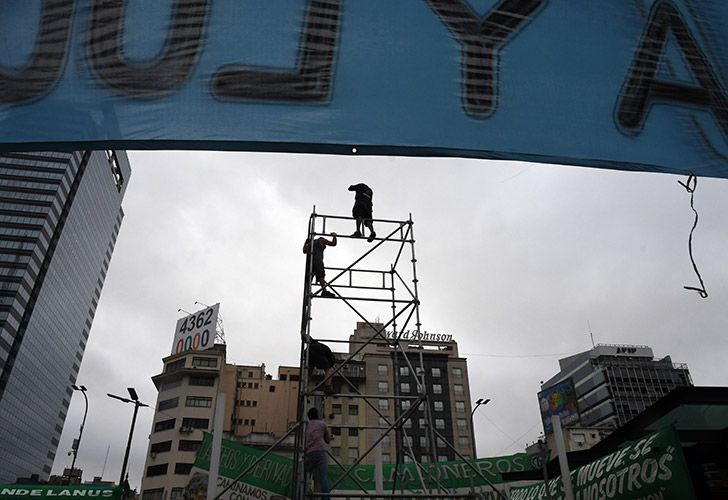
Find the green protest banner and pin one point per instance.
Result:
(34, 491)
(652, 468)
(272, 476)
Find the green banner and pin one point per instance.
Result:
(31, 491)
(651, 468)
(273, 473)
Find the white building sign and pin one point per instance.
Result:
(196, 332)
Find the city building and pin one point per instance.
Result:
(389, 375)
(60, 214)
(260, 409)
(614, 383)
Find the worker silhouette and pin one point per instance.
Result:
(362, 210)
(315, 261)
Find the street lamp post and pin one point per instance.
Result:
(480, 402)
(137, 404)
(77, 443)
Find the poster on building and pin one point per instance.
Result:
(632, 85)
(35, 491)
(559, 399)
(271, 478)
(196, 332)
(650, 468)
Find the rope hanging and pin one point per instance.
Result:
(690, 185)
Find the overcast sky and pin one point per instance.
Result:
(514, 260)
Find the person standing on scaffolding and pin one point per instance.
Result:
(315, 261)
(315, 459)
(362, 210)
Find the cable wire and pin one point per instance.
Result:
(690, 185)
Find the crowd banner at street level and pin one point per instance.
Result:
(36, 491)
(650, 468)
(271, 477)
(635, 85)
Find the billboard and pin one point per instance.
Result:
(652, 467)
(559, 399)
(625, 85)
(271, 477)
(196, 331)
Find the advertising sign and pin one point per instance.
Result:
(272, 476)
(560, 400)
(653, 467)
(196, 332)
(632, 85)
(34, 491)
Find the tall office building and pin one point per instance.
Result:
(60, 214)
(448, 392)
(614, 383)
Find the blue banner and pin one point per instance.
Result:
(635, 85)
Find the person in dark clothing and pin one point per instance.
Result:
(315, 261)
(320, 357)
(362, 210)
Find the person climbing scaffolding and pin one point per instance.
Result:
(315, 261)
(362, 210)
(320, 357)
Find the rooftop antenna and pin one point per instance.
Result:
(591, 335)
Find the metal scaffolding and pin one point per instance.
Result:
(353, 286)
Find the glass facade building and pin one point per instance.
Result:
(614, 383)
(60, 214)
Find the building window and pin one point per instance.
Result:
(272, 388)
(408, 440)
(164, 425)
(419, 370)
(384, 404)
(404, 387)
(353, 453)
(458, 389)
(182, 468)
(382, 370)
(174, 366)
(385, 442)
(421, 422)
(423, 441)
(406, 404)
(336, 409)
(382, 387)
(408, 423)
(425, 459)
(177, 494)
(460, 406)
(336, 451)
(386, 458)
(440, 442)
(198, 402)
(202, 380)
(204, 362)
(189, 445)
(353, 410)
(404, 371)
(383, 422)
(336, 431)
(463, 442)
(436, 389)
(353, 432)
(407, 459)
(155, 494)
(196, 423)
(168, 403)
(442, 458)
(439, 423)
(156, 470)
(439, 406)
(160, 447)
(462, 424)
(457, 373)
(435, 372)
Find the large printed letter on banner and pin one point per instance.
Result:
(631, 85)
